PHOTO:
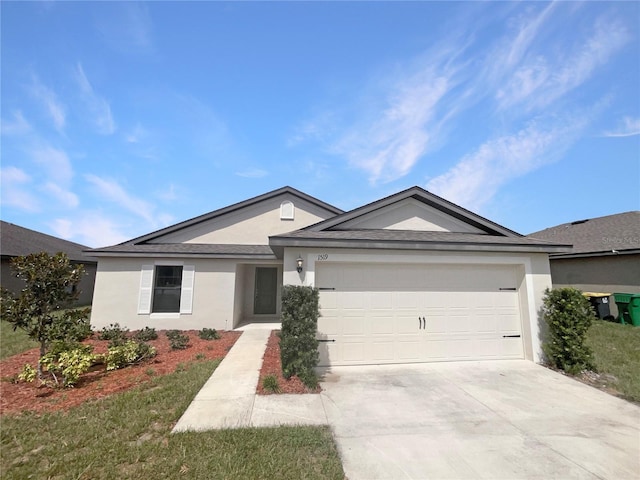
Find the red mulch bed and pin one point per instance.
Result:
(18, 397)
(271, 365)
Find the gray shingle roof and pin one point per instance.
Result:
(193, 249)
(620, 232)
(18, 241)
(411, 239)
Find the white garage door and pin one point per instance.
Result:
(373, 313)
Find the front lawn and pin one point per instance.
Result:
(13, 342)
(616, 350)
(128, 436)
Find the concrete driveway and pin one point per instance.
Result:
(491, 420)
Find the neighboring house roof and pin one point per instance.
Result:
(608, 235)
(18, 241)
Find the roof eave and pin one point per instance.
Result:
(227, 256)
(280, 242)
(608, 253)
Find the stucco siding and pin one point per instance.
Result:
(118, 286)
(613, 273)
(250, 225)
(410, 214)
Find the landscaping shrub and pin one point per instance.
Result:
(129, 353)
(298, 344)
(116, 334)
(74, 327)
(177, 340)
(270, 384)
(146, 334)
(68, 360)
(569, 316)
(209, 334)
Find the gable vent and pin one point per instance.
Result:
(287, 211)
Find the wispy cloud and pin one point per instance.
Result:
(64, 196)
(89, 228)
(17, 126)
(252, 173)
(630, 127)
(127, 27)
(476, 178)
(54, 108)
(54, 162)
(112, 191)
(542, 77)
(14, 191)
(97, 107)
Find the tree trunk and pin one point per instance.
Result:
(43, 350)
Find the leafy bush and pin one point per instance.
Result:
(116, 334)
(146, 334)
(209, 334)
(569, 316)
(69, 360)
(129, 353)
(177, 340)
(298, 344)
(270, 384)
(28, 373)
(74, 327)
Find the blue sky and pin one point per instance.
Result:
(121, 118)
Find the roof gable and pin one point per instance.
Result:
(417, 209)
(247, 222)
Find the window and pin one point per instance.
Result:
(166, 289)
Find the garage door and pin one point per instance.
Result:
(374, 314)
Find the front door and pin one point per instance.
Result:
(265, 298)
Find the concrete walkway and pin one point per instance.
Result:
(228, 399)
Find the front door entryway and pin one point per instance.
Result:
(266, 289)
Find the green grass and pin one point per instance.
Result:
(12, 343)
(128, 436)
(616, 350)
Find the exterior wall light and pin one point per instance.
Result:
(299, 263)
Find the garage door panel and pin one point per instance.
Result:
(374, 312)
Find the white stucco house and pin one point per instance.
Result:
(408, 278)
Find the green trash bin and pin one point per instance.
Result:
(622, 301)
(634, 310)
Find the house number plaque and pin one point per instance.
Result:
(323, 256)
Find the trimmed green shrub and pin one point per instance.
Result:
(146, 334)
(298, 344)
(116, 334)
(209, 334)
(270, 384)
(129, 353)
(569, 316)
(177, 340)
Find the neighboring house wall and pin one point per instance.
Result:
(86, 285)
(619, 273)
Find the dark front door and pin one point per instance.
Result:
(266, 291)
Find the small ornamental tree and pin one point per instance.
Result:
(569, 316)
(298, 344)
(39, 310)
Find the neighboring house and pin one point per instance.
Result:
(408, 278)
(16, 241)
(605, 256)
